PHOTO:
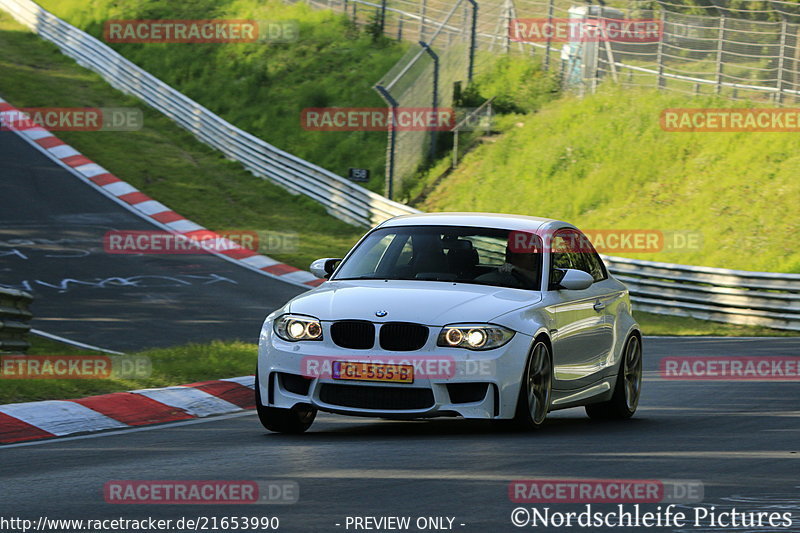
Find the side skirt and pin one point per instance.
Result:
(599, 391)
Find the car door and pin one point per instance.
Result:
(583, 336)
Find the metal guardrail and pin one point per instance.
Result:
(722, 295)
(342, 198)
(14, 320)
(733, 296)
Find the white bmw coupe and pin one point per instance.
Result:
(486, 316)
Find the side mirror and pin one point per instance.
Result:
(323, 268)
(575, 280)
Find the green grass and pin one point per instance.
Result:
(163, 160)
(263, 87)
(170, 366)
(652, 324)
(603, 162)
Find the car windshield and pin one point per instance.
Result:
(444, 253)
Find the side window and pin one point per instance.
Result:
(596, 267)
(572, 249)
(590, 262)
(563, 256)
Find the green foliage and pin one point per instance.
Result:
(518, 85)
(683, 326)
(263, 87)
(603, 162)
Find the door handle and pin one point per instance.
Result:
(599, 306)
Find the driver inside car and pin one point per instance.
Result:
(519, 270)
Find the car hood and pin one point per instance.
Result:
(432, 303)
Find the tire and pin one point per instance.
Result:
(295, 420)
(536, 388)
(628, 389)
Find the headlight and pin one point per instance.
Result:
(477, 337)
(297, 328)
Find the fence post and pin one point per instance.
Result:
(390, 148)
(454, 157)
(779, 95)
(472, 40)
(383, 15)
(435, 57)
(550, 6)
(660, 56)
(507, 10)
(719, 52)
(596, 58)
(400, 28)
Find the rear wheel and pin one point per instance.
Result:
(295, 420)
(623, 403)
(536, 388)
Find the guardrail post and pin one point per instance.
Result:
(435, 100)
(473, 40)
(390, 148)
(720, 42)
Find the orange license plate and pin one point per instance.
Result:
(373, 372)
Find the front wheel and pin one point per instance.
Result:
(536, 388)
(625, 400)
(295, 420)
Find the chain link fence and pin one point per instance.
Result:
(740, 49)
(425, 78)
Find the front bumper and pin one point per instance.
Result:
(450, 384)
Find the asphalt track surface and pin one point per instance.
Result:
(51, 244)
(742, 440)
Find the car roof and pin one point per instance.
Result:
(477, 220)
